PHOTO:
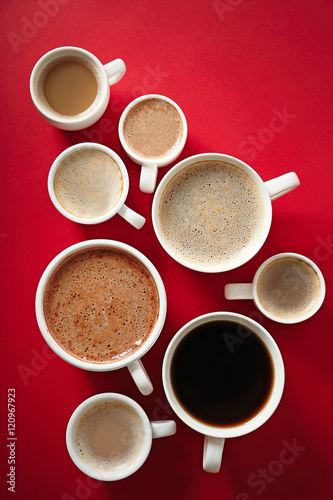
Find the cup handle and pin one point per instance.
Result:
(148, 178)
(132, 217)
(236, 291)
(115, 70)
(212, 455)
(140, 377)
(163, 428)
(282, 185)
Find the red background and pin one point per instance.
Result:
(232, 66)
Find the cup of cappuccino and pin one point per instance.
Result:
(70, 87)
(287, 288)
(153, 131)
(212, 212)
(88, 183)
(101, 305)
(109, 436)
(223, 375)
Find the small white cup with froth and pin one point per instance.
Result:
(88, 183)
(134, 436)
(212, 212)
(153, 132)
(287, 288)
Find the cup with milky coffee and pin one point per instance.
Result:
(70, 87)
(88, 183)
(101, 305)
(153, 131)
(109, 436)
(212, 212)
(287, 288)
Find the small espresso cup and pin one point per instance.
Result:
(70, 87)
(223, 375)
(212, 212)
(88, 183)
(287, 288)
(101, 305)
(109, 436)
(153, 131)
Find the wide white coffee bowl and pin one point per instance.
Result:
(269, 190)
(106, 75)
(152, 430)
(239, 291)
(149, 167)
(215, 435)
(120, 208)
(133, 361)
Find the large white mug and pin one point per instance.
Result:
(151, 132)
(121, 427)
(105, 75)
(215, 433)
(105, 306)
(198, 213)
(88, 183)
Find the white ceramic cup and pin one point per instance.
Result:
(128, 214)
(236, 291)
(106, 75)
(149, 167)
(133, 361)
(270, 190)
(214, 435)
(152, 430)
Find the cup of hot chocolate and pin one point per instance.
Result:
(223, 375)
(101, 305)
(153, 131)
(212, 212)
(287, 288)
(109, 436)
(70, 87)
(88, 183)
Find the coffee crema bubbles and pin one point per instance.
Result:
(101, 304)
(211, 213)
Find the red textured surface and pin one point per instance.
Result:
(232, 66)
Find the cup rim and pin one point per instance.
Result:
(113, 365)
(78, 147)
(304, 317)
(159, 162)
(84, 466)
(95, 107)
(215, 157)
(276, 392)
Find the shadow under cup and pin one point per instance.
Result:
(223, 375)
(103, 309)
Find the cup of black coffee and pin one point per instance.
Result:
(223, 375)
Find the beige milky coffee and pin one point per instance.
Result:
(88, 183)
(211, 213)
(109, 436)
(288, 288)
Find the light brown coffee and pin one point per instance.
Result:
(288, 288)
(211, 213)
(70, 87)
(101, 304)
(88, 183)
(109, 436)
(153, 128)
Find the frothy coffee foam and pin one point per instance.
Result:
(211, 213)
(101, 304)
(109, 436)
(288, 288)
(153, 128)
(88, 183)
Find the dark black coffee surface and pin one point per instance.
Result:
(222, 373)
